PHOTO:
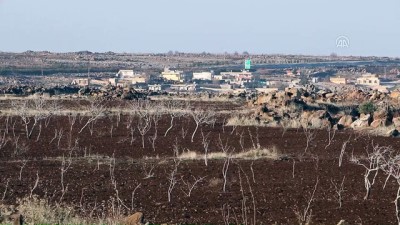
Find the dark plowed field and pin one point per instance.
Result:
(267, 190)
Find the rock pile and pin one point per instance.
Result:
(319, 109)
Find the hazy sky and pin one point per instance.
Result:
(256, 26)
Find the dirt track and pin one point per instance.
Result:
(277, 194)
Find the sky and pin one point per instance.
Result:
(311, 27)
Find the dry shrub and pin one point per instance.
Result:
(40, 211)
(258, 153)
(269, 153)
(243, 121)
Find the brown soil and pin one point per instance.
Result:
(276, 193)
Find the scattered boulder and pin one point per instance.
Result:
(346, 121)
(135, 219)
(378, 123)
(359, 124)
(395, 95)
(396, 122)
(365, 117)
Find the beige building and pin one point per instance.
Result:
(338, 80)
(173, 75)
(128, 77)
(369, 79)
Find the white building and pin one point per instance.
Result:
(125, 73)
(81, 82)
(202, 76)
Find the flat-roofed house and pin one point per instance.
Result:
(173, 75)
(202, 76)
(81, 82)
(338, 80)
(369, 79)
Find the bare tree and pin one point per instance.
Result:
(71, 120)
(144, 124)
(310, 136)
(95, 111)
(206, 144)
(339, 190)
(22, 109)
(24, 162)
(391, 167)
(241, 140)
(175, 109)
(114, 182)
(384, 158)
(244, 198)
(228, 157)
(34, 185)
(5, 190)
(372, 164)
(331, 136)
(226, 214)
(39, 115)
(190, 186)
(3, 140)
(65, 165)
(133, 194)
(184, 132)
(156, 117)
(172, 178)
(202, 117)
(304, 216)
(342, 151)
(148, 170)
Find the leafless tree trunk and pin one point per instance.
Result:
(144, 125)
(24, 162)
(3, 140)
(172, 179)
(206, 144)
(331, 136)
(190, 186)
(202, 117)
(305, 216)
(372, 165)
(251, 193)
(148, 170)
(175, 110)
(225, 170)
(339, 189)
(65, 165)
(5, 190)
(35, 185)
(226, 214)
(133, 195)
(310, 135)
(156, 118)
(342, 151)
(95, 111)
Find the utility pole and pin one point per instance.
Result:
(88, 73)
